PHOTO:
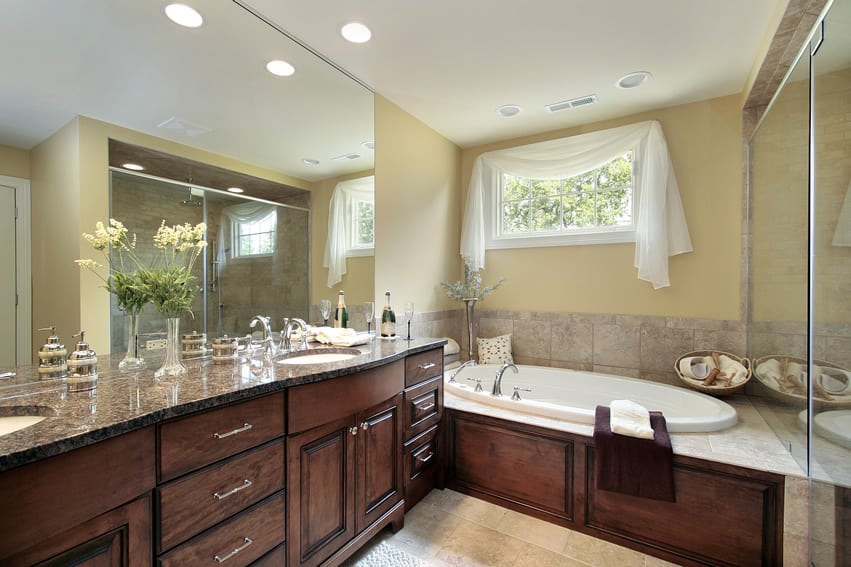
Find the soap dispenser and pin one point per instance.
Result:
(82, 367)
(52, 357)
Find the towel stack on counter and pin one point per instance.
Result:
(713, 368)
(340, 337)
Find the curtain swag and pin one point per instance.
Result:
(661, 229)
(337, 242)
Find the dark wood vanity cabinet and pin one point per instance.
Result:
(344, 463)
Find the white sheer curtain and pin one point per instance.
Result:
(661, 229)
(250, 211)
(339, 223)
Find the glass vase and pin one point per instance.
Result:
(172, 365)
(470, 304)
(132, 360)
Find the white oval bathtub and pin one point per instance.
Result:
(573, 395)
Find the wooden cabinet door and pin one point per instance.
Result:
(118, 538)
(379, 468)
(320, 482)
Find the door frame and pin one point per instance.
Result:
(23, 267)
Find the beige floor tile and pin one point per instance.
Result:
(534, 556)
(534, 531)
(656, 562)
(469, 508)
(427, 528)
(472, 545)
(601, 553)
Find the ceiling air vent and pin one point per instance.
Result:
(574, 103)
(346, 156)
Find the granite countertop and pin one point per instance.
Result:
(126, 401)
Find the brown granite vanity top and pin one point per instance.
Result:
(125, 401)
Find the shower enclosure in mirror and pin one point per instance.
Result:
(800, 296)
(256, 261)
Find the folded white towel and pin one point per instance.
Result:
(630, 418)
(732, 369)
(696, 367)
(770, 369)
(451, 346)
(341, 337)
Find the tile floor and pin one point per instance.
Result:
(451, 529)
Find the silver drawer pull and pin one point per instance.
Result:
(245, 427)
(223, 558)
(245, 484)
(425, 366)
(427, 458)
(426, 407)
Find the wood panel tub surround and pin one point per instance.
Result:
(724, 514)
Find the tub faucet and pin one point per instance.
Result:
(497, 381)
(287, 329)
(267, 332)
(471, 362)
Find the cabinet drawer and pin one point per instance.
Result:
(195, 502)
(237, 542)
(192, 442)
(422, 458)
(423, 365)
(423, 406)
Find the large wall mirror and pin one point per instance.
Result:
(800, 320)
(192, 101)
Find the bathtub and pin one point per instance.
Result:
(572, 395)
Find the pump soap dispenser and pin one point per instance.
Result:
(52, 357)
(82, 367)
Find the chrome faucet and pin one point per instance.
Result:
(268, 346)
(497, 381)
(471, 362)
(287, 328)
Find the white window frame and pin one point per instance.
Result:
(236, 233)
(496, 240)
(353, 249)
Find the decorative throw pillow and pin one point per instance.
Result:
(495, 351)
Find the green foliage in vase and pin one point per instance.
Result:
(471, 287)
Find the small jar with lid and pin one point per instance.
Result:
(52, 357)
(193, 344)
(225, 350)
(82, 367)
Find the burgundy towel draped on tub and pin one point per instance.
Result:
(629, 465)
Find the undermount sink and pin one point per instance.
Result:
(15, 418)
(318, 355)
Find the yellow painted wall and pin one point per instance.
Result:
(417, 174)
(705, 142)
(14, 162)
(358, 283)
(70, 194)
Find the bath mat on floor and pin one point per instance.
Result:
(385, 555)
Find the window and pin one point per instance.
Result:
(363, 225)
(255, 237)
(595, 206)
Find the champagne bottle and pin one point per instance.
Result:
(341, 314)
(388, 318)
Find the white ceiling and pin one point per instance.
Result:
(449, 63)
(452, 63)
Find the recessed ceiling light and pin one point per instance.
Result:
(508, 110)
(633, 80)
(236, 190)
(369, 145)
(356, 32)
(280, 68)
(311, 161)
(133, 166)
(184, 15)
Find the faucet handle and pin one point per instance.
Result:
(516, 395)
(478, 382)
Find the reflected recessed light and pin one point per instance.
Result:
(133, 166)
(369, 145)
(280, 68)
(311, 161)
(356, 32)
(184, 15)
(633, 80)
(508, 110)
(236, 190)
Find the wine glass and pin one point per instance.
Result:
(325, 310)
(409, 314)
(369, 314)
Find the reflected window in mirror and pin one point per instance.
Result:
(255, 237)
(351, 225)
(362, 212)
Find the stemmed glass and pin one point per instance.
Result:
(409, 314)
(369, 314)
(325, 310)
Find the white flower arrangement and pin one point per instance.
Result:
(471, 287)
